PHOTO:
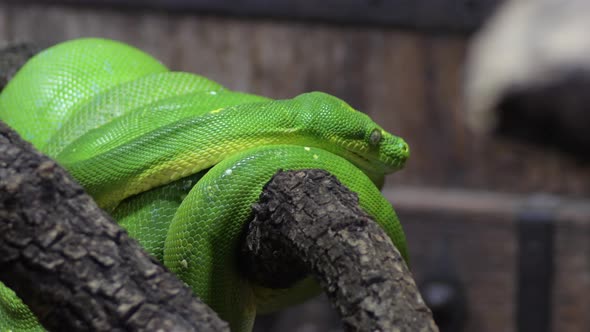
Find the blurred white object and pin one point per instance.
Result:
(526, 44)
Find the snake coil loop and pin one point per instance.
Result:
(178, 160)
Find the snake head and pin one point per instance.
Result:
(392, 151)
(352, 134)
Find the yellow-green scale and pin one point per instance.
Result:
(126, 98)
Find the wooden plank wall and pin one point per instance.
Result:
(409, 82)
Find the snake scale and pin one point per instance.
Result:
(178, 160)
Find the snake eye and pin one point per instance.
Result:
(375, 137)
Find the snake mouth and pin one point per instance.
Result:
(362, 157)
(380, 164)
(366, 163)
(386, 157)
(367, 159)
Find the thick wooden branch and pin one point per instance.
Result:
(308, 221)
(72, 264)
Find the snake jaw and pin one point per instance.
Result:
(388, 156)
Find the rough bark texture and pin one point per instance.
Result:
(75, 268)
(308, 218)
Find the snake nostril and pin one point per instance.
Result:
(404, 147)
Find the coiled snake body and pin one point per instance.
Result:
(178, 160)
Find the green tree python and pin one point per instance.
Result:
(178, 160)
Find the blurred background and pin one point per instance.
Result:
(498, 227)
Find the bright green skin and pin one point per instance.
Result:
(179, 160)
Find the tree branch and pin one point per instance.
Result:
(307, 220)
(72, 264)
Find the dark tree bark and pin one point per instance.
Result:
(308, 221)
(72, 264)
